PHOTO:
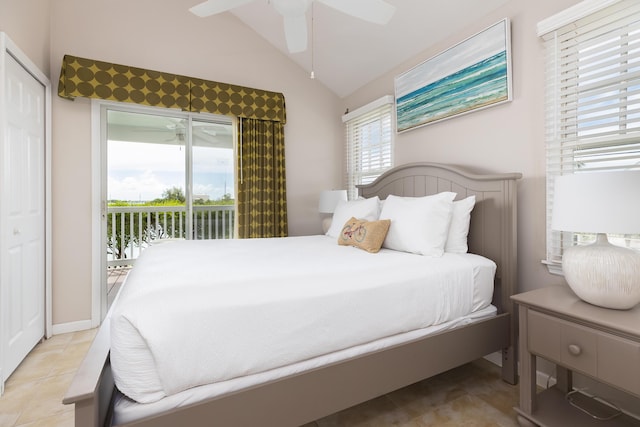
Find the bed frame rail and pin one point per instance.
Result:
(302, 398)
(93, 386)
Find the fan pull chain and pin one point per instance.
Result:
(313, 75)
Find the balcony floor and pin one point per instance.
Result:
(115, 278)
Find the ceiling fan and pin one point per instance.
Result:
(294, 14)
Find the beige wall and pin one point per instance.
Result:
(504, 138)
(165, 36)
(26, 22)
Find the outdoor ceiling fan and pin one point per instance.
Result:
(294, 14)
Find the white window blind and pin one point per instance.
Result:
(592, 102)
(369, 137)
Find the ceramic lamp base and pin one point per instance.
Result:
(603, 274)
(326, 224)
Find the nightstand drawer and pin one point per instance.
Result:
(619, 362)
(566, 343)
(545, 337)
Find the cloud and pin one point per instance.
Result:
(143, 171)
(141, 187)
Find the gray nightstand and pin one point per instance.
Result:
(601, 343)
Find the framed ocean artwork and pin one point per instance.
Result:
(474, 74)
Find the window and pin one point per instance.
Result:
(592, 100)
(169, 174)
(369, 136)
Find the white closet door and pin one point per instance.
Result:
(22, 197)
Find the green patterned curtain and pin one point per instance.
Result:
(262, 194)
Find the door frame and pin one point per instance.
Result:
(99, 187)
(8, 47)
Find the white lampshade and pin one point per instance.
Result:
(606, 202)
(597, 202)
(329, 199)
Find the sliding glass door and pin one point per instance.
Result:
(167, 175)
(212, 192)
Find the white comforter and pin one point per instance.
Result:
(199, 312)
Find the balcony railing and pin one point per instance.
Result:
(131, 229)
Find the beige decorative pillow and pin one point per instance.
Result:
(367, 235)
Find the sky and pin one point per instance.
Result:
(142, 171)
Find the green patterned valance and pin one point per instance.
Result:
(221, 98)
(96, 79)
(103, 80)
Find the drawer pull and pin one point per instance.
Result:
(575, 349)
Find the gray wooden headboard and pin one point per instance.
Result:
(493, 231)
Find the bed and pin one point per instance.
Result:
(342, 377)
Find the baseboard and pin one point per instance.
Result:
(543, 379)
(65, 328)
(495, 358)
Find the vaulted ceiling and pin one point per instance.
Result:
(347, 53)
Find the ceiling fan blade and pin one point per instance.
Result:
(375, 11)
(212, 7)
(295, 31)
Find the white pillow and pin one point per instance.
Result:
(418, 224)
(367, 209)
(459, 228)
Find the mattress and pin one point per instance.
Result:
(197, 313)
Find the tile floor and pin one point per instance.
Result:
(33, 393)
(471, 395)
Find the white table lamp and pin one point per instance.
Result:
(329, 199)
(600, 202)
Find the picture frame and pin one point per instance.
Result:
(472, 75)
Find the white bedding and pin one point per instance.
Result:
(182, 318)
